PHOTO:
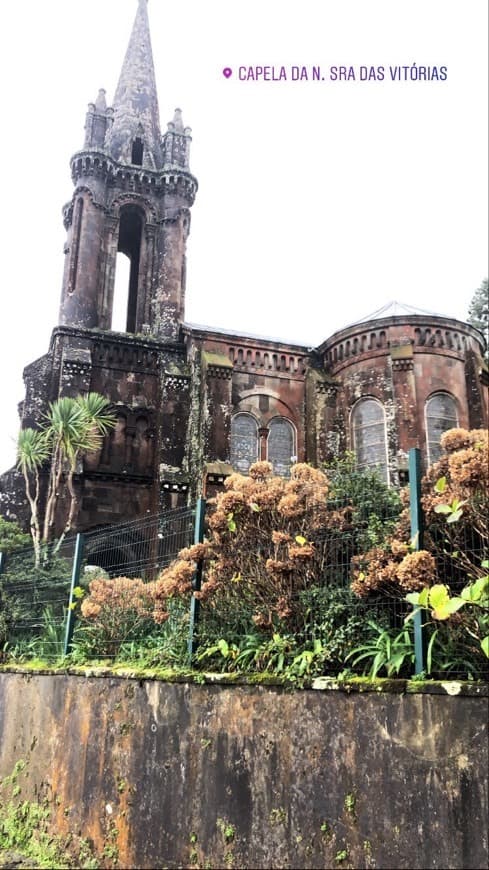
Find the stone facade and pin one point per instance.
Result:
(193, 402)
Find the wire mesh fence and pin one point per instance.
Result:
(308, 618)
(142, 547)
(36, 600)
(302, 605)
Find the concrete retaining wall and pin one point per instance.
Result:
(182, 775)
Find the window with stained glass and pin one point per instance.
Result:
(369, 436)
(244, 442)
(281, 445)
(441, 414)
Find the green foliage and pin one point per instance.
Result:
(50, 643)
(33, 602)
(11, 536)
(25, 827)
(227, 830)
(452, 511)
(478, 314)
(334, 622)
(375, 506)
(454, 653)
(387, 650)
(339, 620)
(350, 804)
(442, 604)
(147, 646)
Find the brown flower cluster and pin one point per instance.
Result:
(393, 570)
(260, 550)
(117, 593)
(416, 571)
(465, 471)
(117, 607)
(455, 549)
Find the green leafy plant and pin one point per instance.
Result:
(442, 604)
(50, 644)
(387, 651)
(11, 536)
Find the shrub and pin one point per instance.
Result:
(11, 536)
(455, 501)
(115, 611)
(262, 547)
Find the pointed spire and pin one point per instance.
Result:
(100, 103)
(177, 121)
(136, 100)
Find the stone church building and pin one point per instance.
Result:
(194, 403)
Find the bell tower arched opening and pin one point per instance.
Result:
(137, 152)
(126, 292)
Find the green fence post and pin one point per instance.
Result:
(75, 577)
(197, 583)
(416, 515)
(2, 563)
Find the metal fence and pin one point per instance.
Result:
(142, 547)
(38, 604)
(39, 608)
(34, 601)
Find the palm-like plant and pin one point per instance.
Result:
(32, 452)
(73, 427)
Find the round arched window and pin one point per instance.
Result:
(244, 442)
(281, 445)
(441, 414)
(369, 436)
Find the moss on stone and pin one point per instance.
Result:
(379, 685)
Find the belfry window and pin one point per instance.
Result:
(137, 152)
(369, 436)
(125, 304)
(281, 449)
(441, 414)
(244, 442)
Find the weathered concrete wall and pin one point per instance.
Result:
(179, 775)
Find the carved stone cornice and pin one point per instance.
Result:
(403, 365)
(221, 372)
(97, 164)
(176, 383)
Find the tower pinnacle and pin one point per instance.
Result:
(135, 135)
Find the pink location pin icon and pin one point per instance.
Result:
(227, 72)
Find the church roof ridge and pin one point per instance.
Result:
(233, 333)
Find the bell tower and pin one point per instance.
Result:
(133, 191)
(133, 194)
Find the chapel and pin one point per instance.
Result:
(193, 403)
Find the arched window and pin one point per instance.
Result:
(137, 152)
(369, 436)
(441, 414)
(281, 445)
(124, 308)
(244, 442)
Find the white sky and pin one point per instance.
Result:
(319, 201)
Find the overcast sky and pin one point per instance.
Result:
(319, 201)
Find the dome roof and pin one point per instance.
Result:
(394, 309)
